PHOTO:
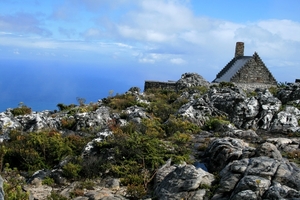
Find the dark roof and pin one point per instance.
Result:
(232, 68)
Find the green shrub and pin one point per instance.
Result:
(121, 102)
(174, 125)
(68, 123)
(71, 170)
(37, 150)
(56, 196)
(226, 84)
(21, 110)
(63, 107)
(215, 124)
(273, 90)
(13, 185)
(48, 181)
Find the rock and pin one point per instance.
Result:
(93, 121)
(278, 191)
(269, 150)
(221, 151)
(191, 80)
(284, 121)
(238, 133)
(112, 183)
(288, 174)
(164, 171)
(285, 144)
(290, 92)
(258, 177)
(1, 189)
(39, 175)
(39, 192)
(251, 187)
(135, 90)
(183, 182)
(136, 114)
(269, 106)
(245, 194)
(199, 111)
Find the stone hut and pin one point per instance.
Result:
(245, 69)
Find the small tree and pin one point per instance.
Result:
(80, 100)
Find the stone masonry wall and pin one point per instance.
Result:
(159, 85)
(254, 71)
(239, 49)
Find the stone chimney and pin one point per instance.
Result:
(239, 49)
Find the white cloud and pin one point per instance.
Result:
(285, 29)
(178, 61)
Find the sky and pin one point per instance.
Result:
(150, 39)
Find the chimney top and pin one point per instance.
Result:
(239, 49)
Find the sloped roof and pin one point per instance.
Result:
(232, 68)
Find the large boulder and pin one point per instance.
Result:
(290, 92)
(199, 111)
(286, 120)
(222, 151)
(191, 80)
(265, 175)
(136, 114)
(269, 150)
(182, 182)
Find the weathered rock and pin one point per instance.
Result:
(182, 182)
(288, 174)
(89, 150)
(284, 121)
(199, 111)
(221, 151)
(242, 134)
(191, 80)
(134, 90)
(40, 174)
(285, 144)
(290, 92)
(251, 178)
(1, 189)
(93, 121)
(136, 114)
(258, 186)
(278, 191)
(269, 106)
(269, 150)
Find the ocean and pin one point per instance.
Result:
(41, 85)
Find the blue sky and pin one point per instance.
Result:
(152, 39)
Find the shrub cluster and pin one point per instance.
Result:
(21, 110)
(39, 150)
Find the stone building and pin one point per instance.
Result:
(245, 69)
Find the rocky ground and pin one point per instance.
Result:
(253, 154)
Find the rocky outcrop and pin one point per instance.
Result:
(289, 92)
(181, 182)
(221, 151)
(188, 80)
(94, 121)
(251, 173)
(199, 111)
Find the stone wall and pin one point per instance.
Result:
(170, 85)
(239, 49)
(254, 71)
(253, 86)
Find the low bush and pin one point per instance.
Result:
(216, 124)
(174, 125)
(38, 150)
(21, 110)
(13, 185)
